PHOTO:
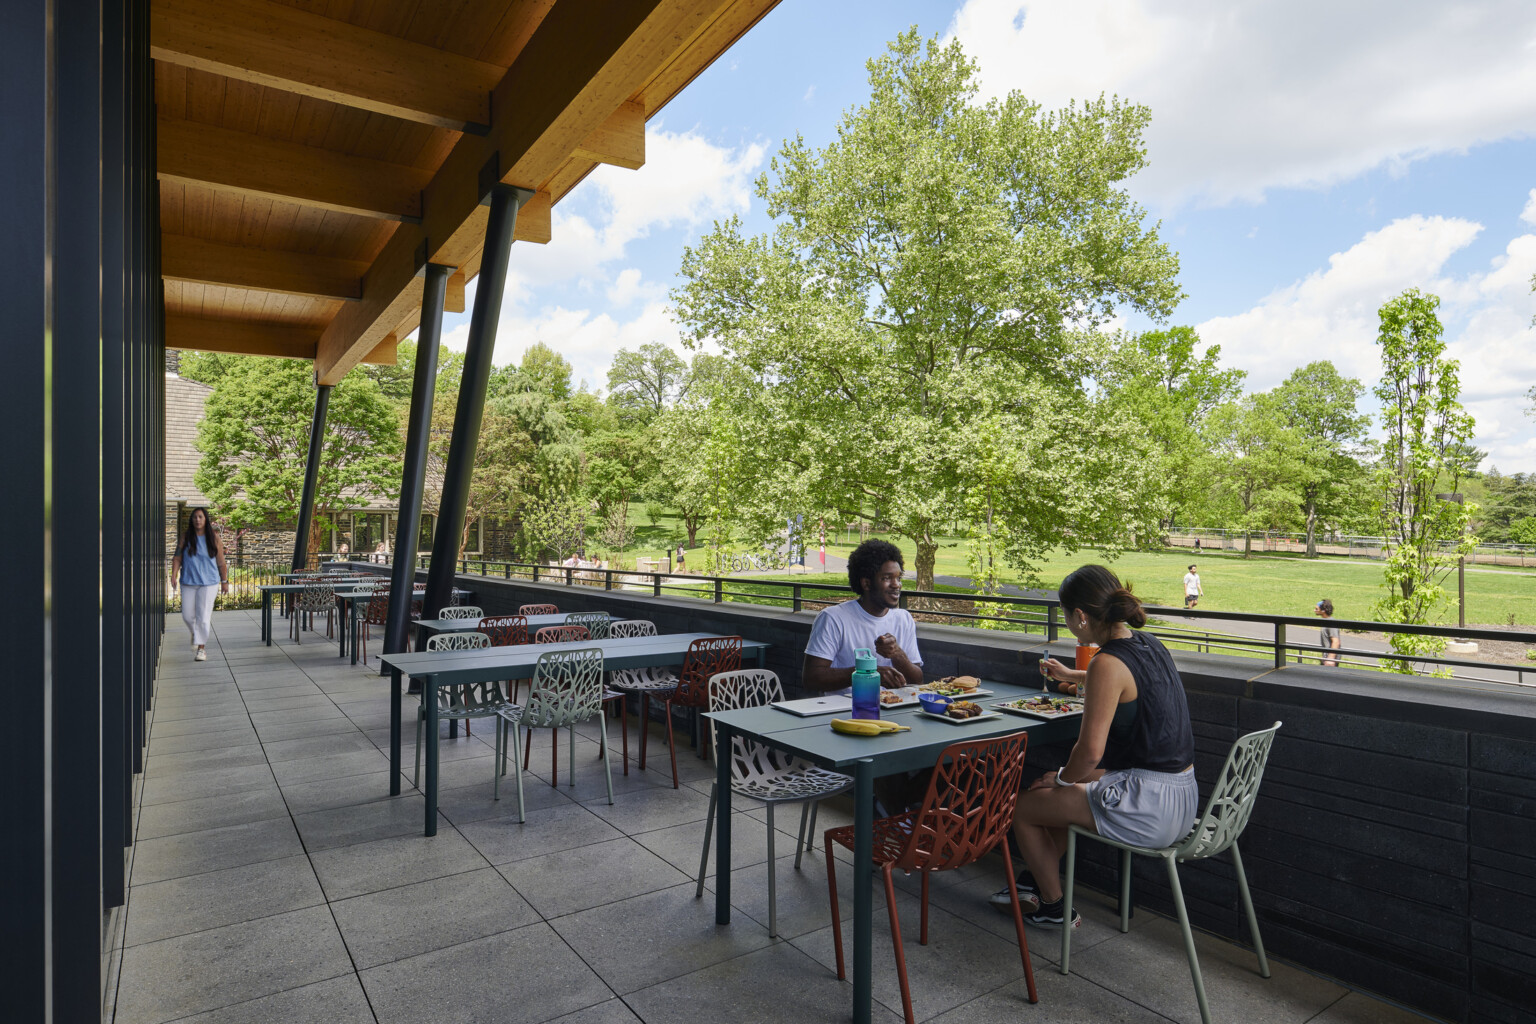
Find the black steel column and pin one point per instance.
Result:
(506, 200)
(116, 775)
(311, 478)
(76, 502)
(417, 432)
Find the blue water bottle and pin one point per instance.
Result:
(866, 685)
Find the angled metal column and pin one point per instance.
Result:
(311, 478)
(506, 200)
(417, 432)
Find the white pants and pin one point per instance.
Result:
(197, 610)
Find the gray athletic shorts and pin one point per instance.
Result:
(1143, 807)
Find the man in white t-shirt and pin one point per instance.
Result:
(1192, 589)
(874, 621)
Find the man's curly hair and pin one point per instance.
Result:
(866, 560)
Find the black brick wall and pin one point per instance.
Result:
(1394, 843)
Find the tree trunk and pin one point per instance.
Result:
(927, 555)
(1311, 530)
(692, 523)
(1247, 544)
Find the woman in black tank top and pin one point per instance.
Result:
(1130, 773)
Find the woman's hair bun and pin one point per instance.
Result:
(1098, 593)
(1124, 606)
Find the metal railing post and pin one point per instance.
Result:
(607, 579)
(719, 590)
(1279, 645)
(508, 567)
(535, 572)
(797, 597)
(655, 584)
(1052, 627)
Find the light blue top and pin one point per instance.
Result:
(199, 569)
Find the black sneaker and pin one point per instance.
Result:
(1029, 895)
(1051, 915)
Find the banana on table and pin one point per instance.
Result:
(866, 726)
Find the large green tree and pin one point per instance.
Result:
(1318, 405)
(648, 380)
(1423, 456)
(1171, 385)
(920, 294)
(1259, 457)
(254, 440)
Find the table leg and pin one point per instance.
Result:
(863, 885)
(722, 826)
(341, 619)
(266, 617)
(352, 617)
(395, 699)
(429, 701)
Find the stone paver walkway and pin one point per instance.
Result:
(274, 880)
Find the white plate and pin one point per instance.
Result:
(984, 716)
(1043, 715)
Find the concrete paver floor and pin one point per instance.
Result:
(275, 880)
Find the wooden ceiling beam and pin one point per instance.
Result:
(242, 162)
(184, 258)
(276, 45)
(241, 337)
(619, 141)
(572, 75)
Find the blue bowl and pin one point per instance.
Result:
(933, 703)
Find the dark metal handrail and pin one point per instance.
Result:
(1043, 612)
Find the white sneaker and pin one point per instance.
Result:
(201, 655)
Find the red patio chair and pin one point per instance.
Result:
(705, 658)
(538, 609)
(561, 634)
(967, 811)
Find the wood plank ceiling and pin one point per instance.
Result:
(311, 151)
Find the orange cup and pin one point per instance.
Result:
(1085, 653)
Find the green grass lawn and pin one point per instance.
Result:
(1274, 585)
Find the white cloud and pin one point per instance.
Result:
(810, 94)
(1529, 213)
(588, 340)
(1271, 93)
(1331, 314)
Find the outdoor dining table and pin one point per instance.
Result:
(345, 596)
(425, 628)
(349, 600)
(865, 758)
(490, 664)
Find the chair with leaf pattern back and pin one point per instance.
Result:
(597, 623)
(967, 812)
(538, 609)
(706, 658)
(462, 611)
(460, 701)
(375, 614)
(506, 631)
(315, 599)
(1217, 830)
(567, 689)
(561, 634)
(639, 681)
(765, 774)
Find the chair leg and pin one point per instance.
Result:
(1189, 937)
(1018, 926)
(837, 918)
(709, 831)
(773, 893)
(623, 730)
(1125, 890)
(570, 738)
(1066, 924)
(645, 724)
(602, 743)
(805, 810)
(497, 758)
(416, 775)
(810, 832)
(671, 742)
(554, 758)
(901, 955)
(1253, 920)
(922, 934)
(527, 747)
(512, 734)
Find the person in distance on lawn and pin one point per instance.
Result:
(1328, 636)
(874, 620)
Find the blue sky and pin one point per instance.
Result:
(1308, 161)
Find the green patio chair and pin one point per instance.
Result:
(596, 623)
(567, 689)
(460, 701)
(1226, 815)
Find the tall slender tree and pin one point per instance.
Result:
(1318, 405)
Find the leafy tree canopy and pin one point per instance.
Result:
(921, 292)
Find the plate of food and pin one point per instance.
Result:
(962, 712)
(900, 697)
(1043, 705)
(956, 686)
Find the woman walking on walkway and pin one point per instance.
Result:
(1130, 776)
(198, 567)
